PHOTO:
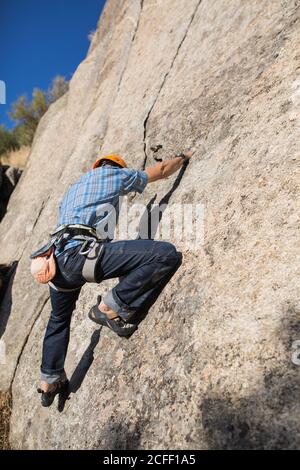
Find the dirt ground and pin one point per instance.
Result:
(5, 411)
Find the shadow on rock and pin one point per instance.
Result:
(7, 274)
(84, 363)
(152, 216)
(121, 436)
(81, 370)
(262, 421)
(9, 177)
(269, 419)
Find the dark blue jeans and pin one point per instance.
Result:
(144, 268)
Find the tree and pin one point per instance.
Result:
(58, 88)
(27, 114)
(8, 140)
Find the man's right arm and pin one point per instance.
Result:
(167, 168)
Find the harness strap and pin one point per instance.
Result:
(63, 234)
(61, 289)
(75, 229)
(92, 258)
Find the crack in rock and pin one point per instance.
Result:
(94, 104)
(43, 205)
(9, 392)
(132, 41)
(164, 81)
(27, 338)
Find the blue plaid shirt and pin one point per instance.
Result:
(86, 202)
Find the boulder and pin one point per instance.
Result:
(211, 364)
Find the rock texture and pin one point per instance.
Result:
(210, 366)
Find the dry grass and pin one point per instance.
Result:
(5, 412)
(17, 158)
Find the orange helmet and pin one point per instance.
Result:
(113, 158)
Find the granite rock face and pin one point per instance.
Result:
(211, 365)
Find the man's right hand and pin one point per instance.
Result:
(166, 168)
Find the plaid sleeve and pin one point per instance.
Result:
(134, 180)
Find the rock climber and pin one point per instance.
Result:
(143, 266)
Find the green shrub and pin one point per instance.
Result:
(8, 141)
(27, 114)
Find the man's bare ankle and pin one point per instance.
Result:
(47, 387)
(111, 315)
(103, 307)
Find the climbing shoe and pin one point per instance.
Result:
(117, 325)
(47, 398)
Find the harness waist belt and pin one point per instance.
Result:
(75, 229)
(63, 234)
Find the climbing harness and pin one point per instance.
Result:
(43, 264)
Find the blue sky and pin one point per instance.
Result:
(41, 39)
